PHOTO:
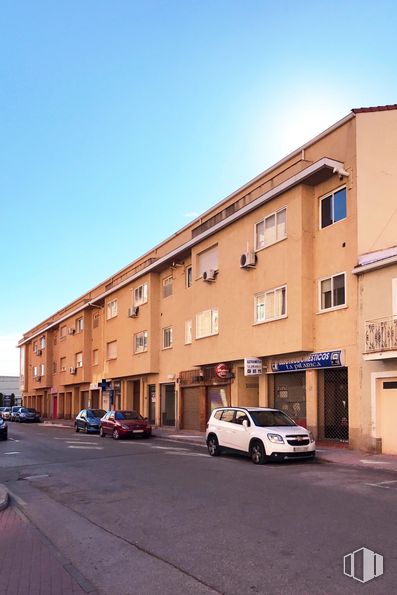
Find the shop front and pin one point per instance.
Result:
(313, 391)
(202, 391)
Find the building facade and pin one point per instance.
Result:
(256, 302)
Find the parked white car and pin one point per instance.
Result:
(260, 432)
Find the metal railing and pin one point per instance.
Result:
(381, 335)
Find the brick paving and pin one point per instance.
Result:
(28, 564)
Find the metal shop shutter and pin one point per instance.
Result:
(191, 408)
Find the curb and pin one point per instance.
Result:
(3, 497)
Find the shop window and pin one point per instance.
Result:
(79, 360)
(333, 208)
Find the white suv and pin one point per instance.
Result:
(260, 432)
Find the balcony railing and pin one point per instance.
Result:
(381, 335)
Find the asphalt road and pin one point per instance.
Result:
(159, 517)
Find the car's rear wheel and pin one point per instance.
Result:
(101, 432)
(213, 446)
(257, 453)
(116, 434)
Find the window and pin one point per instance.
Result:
(62, 364)
(35, 346)
(79, 360)
(35, 369)
(95, 321)
(333, 292)
(167, 337)
(140, 342)
(63, 331)
(42, 342)
(140, 295)
(42, 369)
(271, 305)
(188, 332)
(271, 229)
(207, 323)
(95, 357)
(167, 286)
(189, 276)
(228, 415)
(111, 350)
(333, 208)
(111, 309)
(207, 260)
(79, 325)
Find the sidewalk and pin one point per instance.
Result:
(325, 453)
(29, 563)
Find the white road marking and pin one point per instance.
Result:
(382, 484)
(76, 442)
(87, 447)
(17, 499)
(14, 440)
(374, 462)
(30, 477)
(16, 452)
(169, 448)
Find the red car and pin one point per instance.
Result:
(124, 424)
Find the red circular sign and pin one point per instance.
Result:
(222, 371)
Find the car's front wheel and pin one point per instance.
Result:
(116, 434)
(257, 453)
(76, 428)
(213, 446)
(101, 432)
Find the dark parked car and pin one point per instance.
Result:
(14, 412)
(6, 413)
(89, 420)
(3, 429)
(125, 424)
(27, 414)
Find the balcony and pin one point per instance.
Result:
(381, 337)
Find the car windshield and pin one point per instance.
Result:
(267, 419)
(128, 415)
(96, 412)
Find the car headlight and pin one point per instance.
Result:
(276, 438)
(311, 436)
(125, 427)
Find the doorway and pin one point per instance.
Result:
(168, 404)
(334, 405)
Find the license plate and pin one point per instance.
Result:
(300, 448)
(138, 431)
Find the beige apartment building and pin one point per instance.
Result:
(269, 298)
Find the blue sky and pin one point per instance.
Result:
(120, 121)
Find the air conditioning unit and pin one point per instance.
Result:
(133, 312)
(71, 331)
(38, 352)
(37, 378)
(73, 370)
(209, 276)
(248, 260)
(79, 364)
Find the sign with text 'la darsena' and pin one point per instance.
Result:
(252, 366)
(324, 359)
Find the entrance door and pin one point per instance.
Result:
(152, 403)
(336, 404)
(55, 406)
(290, 395)
(387, 415)
(136, 398)
(168, 404)
(191, 408)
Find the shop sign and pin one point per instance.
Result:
(222, 371)
(94, 386)
(252, 366)
(324, 359)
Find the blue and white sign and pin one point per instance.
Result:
(252, 366)
(324, 359)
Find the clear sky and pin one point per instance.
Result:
(121, 120)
